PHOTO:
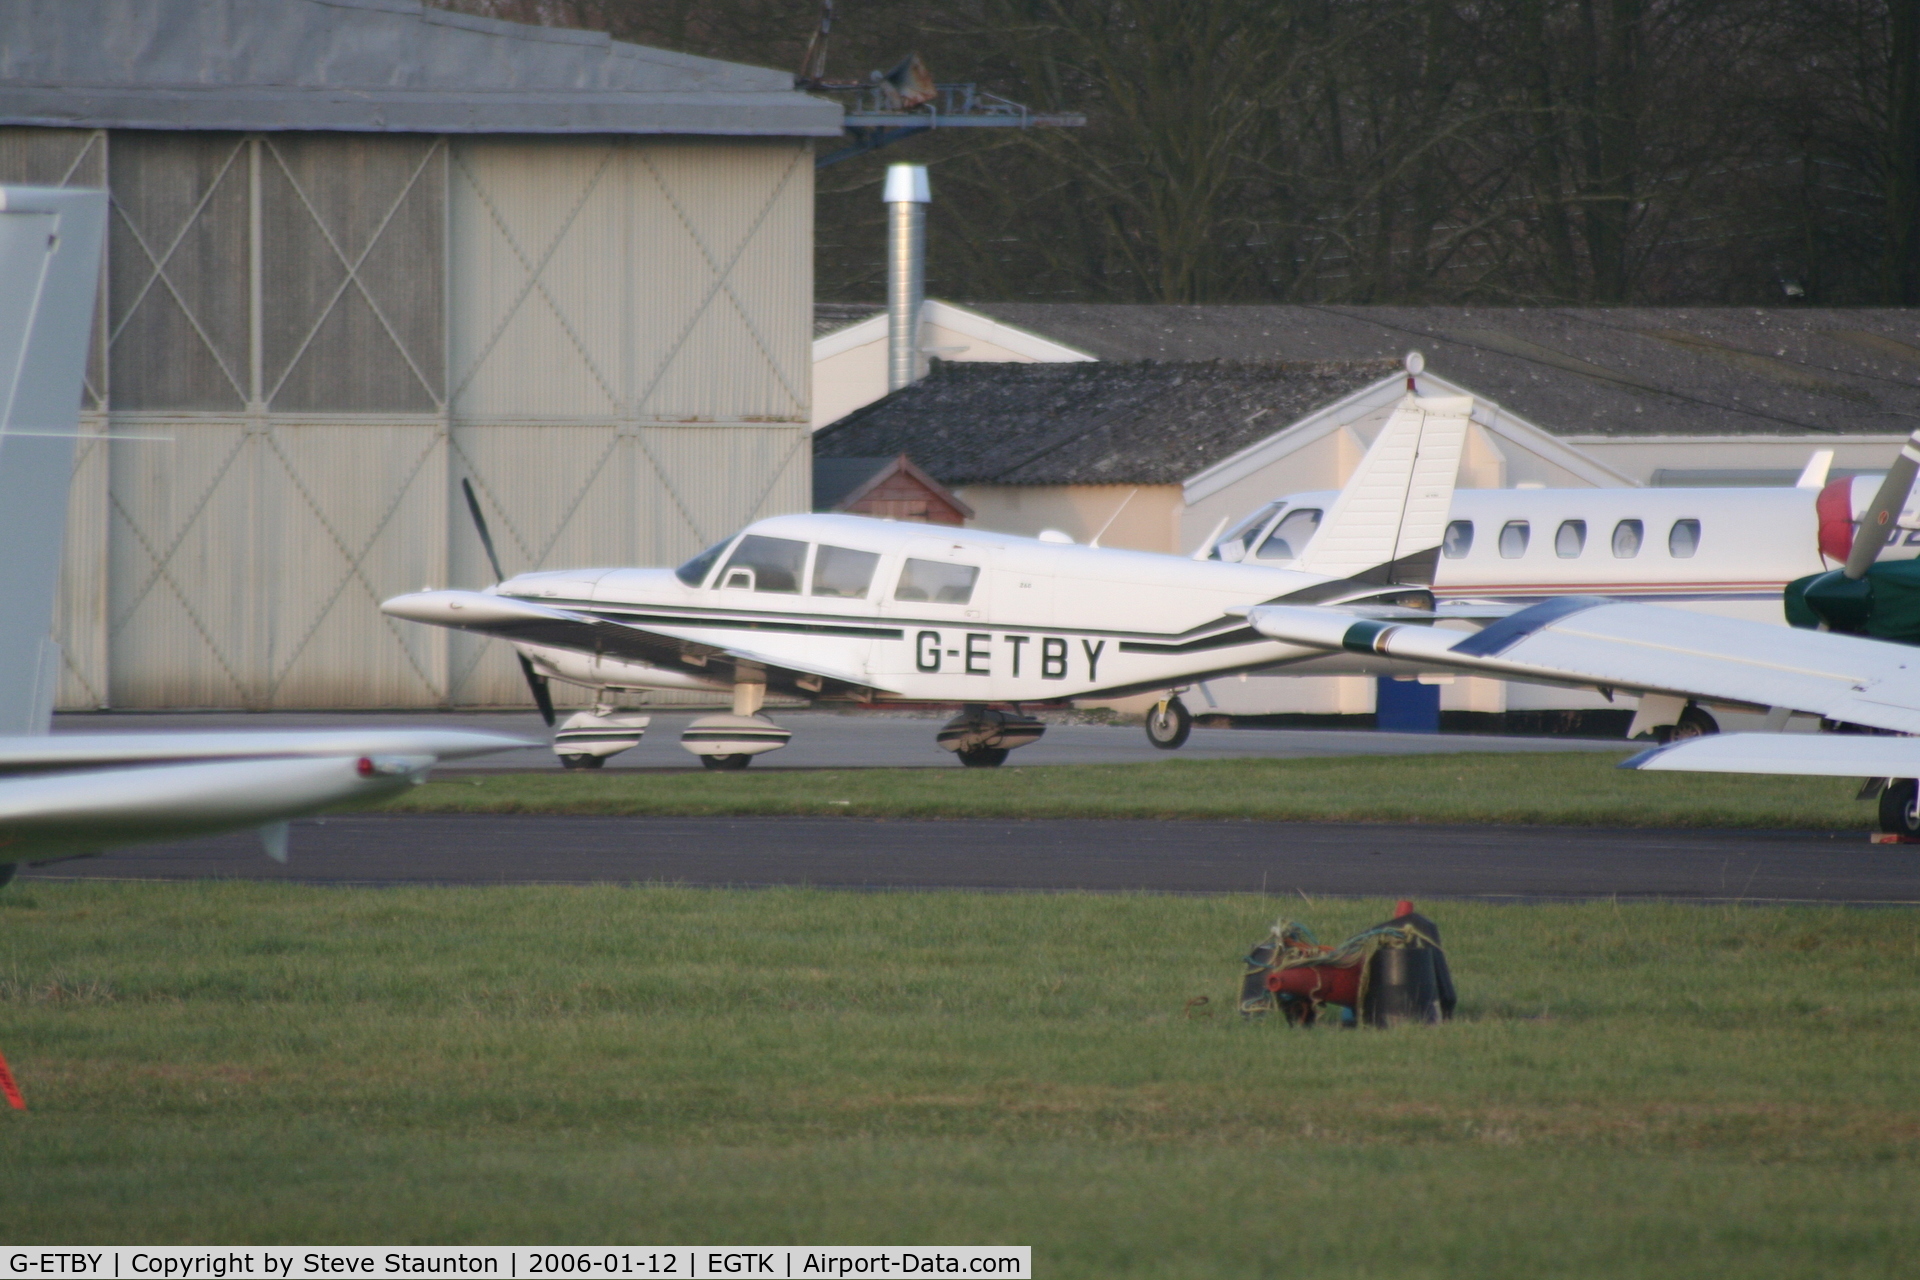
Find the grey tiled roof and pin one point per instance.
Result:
(831, 317)
(835, 478)
(368, 65)
(1574, 371)
(1141, 422)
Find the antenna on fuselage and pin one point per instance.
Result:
(1095, 540)
(542, 695)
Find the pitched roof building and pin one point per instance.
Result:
(1139, 423)
(1611, 372)
(887, 488)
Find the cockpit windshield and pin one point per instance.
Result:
(1233, 546)
(695, 571)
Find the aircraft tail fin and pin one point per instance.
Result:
(49, 271)
(1393, 511)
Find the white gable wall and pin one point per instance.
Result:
(850, 364)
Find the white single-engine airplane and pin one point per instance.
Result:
(66, 796)
(884, 613)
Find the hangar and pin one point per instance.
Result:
(362, 250)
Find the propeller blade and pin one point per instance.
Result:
(536, 683)
(542, 698)
(486, 540)
(1877, 525)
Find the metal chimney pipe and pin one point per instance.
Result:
(906, 200)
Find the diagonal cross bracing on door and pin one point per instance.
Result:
(354, 559)
(162, 560)
(159, 264)
(534, 273)
(352, 266)
(722, 281)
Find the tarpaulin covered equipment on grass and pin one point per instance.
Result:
(1392, 973)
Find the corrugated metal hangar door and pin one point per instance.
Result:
(612, 302)
(310, 339)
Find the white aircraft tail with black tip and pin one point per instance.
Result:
(1389, 520)
(49, 271)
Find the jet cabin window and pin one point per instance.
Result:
(840, 572)
(936, 581)
(1458, 540)
(1627, 536)
(1289, 537)
(1571, 539)
(765, 564)
(1513, 539)
(1683, 539)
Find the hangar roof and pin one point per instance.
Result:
(368, 65)
(1625, 371)
(1143, 422)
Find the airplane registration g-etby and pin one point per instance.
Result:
(67, 796)
(885, 613)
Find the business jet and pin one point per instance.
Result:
(68, 796)
(878, 613)
(1853, 681)
(1729, 552)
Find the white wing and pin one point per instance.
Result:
(1838, 755)
(1639, 648)
(525, 622)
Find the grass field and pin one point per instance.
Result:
(1645, 1090)
(1551, 787)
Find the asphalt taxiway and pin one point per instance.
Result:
(1526, 863)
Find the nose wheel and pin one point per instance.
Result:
(1168, 724)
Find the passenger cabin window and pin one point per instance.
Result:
(765, 564)
(1458, 540)
(936, 581)
(1571, 539)
(1627, 536)
(694, 571)
(1513, 539)
(1233, 547)
(1289, 537)
(1683, 539)
(843, 573)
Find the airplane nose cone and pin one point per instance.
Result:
(440, 607)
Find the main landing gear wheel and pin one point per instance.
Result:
(983, 757)
(731, 764)
(1693, 723)
(1900, 807)
(578, 761)
(1168, 724)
